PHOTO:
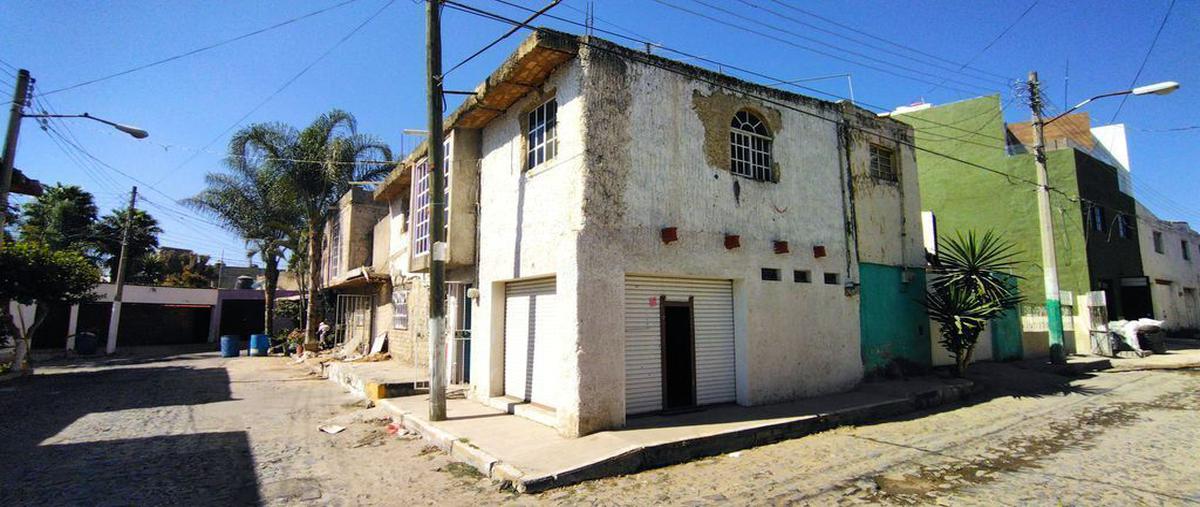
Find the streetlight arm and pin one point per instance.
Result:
(1084, 103)
(1162, 88)
(128, 129)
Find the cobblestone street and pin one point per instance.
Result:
(195, 429)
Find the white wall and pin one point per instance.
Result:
(158, 295)
(528, 221)
(1171, 276)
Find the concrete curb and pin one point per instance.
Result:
(640, 458)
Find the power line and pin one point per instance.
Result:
(1145, 59)
(200, 49)
(993, 41)
(885, 70)
(959, 69)
(283, 87)
(720, 65)
(650, 60)
(1176, 129)
(880, 39)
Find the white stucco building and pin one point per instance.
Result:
(629, 234)
(1171, 261)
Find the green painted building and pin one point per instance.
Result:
(1093, 218)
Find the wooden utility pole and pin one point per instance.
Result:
(437, 218)
(114, 321)
(1054, 322)
(20, 92)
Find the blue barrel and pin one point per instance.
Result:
(86, 344)
(259, 343)
(230, 345)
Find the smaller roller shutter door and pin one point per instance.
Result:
(713, 318)
(532, 364)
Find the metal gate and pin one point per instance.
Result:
(354, 322)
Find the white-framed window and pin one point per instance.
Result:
(542, 136)
(750, 147)
(335, 244)
(446, 187)
(883, 163)
(420, 208)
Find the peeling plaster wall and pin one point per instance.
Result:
(528, 221)
(648, 168)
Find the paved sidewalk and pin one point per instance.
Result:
(534, 457)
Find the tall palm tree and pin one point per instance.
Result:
(251, 200)
(316, 166)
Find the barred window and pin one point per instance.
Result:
(883, 163)
(750, 147)
(542, 136)
(420, 208)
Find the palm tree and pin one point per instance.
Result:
(61, 218)
(316, 166)
(251, 201)
(971, 286)
(143, 241)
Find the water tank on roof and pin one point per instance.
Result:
(244, 282)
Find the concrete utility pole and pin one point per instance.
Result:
(1049, 259)
(114, 322)
(20, 92)
(437, 218)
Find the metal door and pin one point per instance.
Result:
(531, 355)
(354, 320)
(713, 342)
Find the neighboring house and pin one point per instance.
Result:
(1094, 215)
(354, 283)
(631, 235)
(1171, 259)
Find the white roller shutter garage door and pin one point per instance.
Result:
(531, 353)
(712, 317)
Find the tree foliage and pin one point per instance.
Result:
(184, 269)
(35, 274)
(61, 218)
(971, 286)
(315, 166)
(143, 241)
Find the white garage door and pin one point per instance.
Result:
(531, 352)
(713, 318)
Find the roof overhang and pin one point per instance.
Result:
(358, 277)
(525, 70)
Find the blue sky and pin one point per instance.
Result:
(192, 104)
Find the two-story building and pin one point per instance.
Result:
(1170, 252)
(629, 234)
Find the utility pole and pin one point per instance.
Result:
(1049, 259)
(114, 322)
(437, 218)
(20, 92)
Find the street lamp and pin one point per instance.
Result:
(1163, 88)
(137, 133)
(15, 114)
(1054, 324)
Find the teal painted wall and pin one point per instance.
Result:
(1006, 337)
(893, 321)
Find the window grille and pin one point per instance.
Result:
(831, 278)
(750, 147)
(883, 163)
(542, 136)
(335, 244)
(420, 215)
(802, 276)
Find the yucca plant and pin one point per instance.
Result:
(971, 285)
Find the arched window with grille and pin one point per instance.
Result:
(750, 147)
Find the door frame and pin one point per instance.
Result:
(663, 304)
